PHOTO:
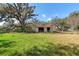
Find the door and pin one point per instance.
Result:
(48, 29)
(41, 29)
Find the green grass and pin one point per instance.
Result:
(22, 44)
(19, 42)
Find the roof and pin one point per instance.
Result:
(39, 25)
(44, 25)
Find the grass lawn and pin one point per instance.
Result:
(23, 44)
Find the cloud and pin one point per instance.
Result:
(49, 19)
(43, 15)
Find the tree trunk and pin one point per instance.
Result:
(22, 25)
(23, 28)
(62, 31)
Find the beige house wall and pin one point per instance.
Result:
(37, 30)
(51, 29)
(45, 29)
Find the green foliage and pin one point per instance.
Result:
(75, 13)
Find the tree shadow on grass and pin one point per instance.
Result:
(6, 43)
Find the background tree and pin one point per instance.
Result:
(61, 24)
(73, 20)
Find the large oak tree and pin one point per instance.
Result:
(22, 12)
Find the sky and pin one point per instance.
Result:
(46, 11)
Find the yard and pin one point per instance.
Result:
(22, 44)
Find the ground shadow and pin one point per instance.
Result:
(6, 43)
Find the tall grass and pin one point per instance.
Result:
(54, 50)
(45, 50)
(21, 44)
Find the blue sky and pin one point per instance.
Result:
(46, 11)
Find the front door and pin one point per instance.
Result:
(41, 29)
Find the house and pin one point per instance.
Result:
(45, 28)
(40, 27)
